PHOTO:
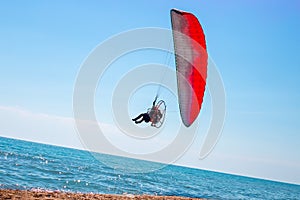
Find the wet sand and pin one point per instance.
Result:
(6, 194)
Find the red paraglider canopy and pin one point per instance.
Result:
(191, 63)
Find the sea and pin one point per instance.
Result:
(28, 165)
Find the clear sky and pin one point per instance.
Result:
(254, 44)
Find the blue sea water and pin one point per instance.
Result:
(29, 165)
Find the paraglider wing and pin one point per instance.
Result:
(191, 63)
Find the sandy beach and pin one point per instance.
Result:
(6, 194)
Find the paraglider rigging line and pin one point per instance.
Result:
(166, 64)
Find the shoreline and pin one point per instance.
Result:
(57, 195)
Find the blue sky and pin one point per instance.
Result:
(255, 45)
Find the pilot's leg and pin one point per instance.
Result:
(140, 116)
